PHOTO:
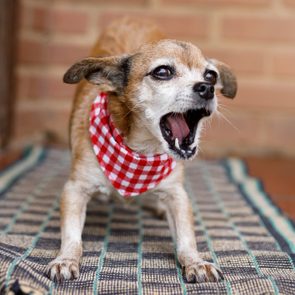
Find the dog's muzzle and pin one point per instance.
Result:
(179, 130)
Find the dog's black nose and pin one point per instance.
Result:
(205, 90)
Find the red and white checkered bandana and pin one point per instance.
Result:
(129, 172)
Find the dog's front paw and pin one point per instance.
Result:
(202, 271)
(63, 269)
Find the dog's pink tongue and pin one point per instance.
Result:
(178, 126)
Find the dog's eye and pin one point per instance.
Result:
(163, 73)
(211, 77)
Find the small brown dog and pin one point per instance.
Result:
(131, 127)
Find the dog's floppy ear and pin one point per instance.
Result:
(227, 79)
(111, 71)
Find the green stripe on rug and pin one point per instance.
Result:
(25, 205)
(157, 273)
(8, 176)
(139, 250)
(198, 217)
(12, 265)
(251, 187)
(33, 244)
(103, 250)
(208, 180)
(259, 199)
(178, 268)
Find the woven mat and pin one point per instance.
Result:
(127, 250)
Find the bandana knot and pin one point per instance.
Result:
(130, 173)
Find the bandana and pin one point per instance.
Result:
(130, 173)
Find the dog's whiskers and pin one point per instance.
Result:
(225, 108)
(221, 115)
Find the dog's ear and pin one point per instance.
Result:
(227, 79)
(111, 71)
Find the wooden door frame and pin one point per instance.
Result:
(8, 30)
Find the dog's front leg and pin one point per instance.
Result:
(73, 211)
(180, 218)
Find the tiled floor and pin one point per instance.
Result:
(277, 174)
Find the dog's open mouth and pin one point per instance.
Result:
(179, 130)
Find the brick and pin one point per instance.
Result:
(263, 111)
(27, 123)
(183, 26)
(50, 20)
(219, 3)
(25, 15)
(237, 133)
(284, 64)
(60, 128)
(281, 130)
(111, 2)
(43, 87)
(30, 123)
(258, 132)
(261, 95)
(265, 95)
(289, 3)
(42, 52)
(258, 29)
(245, 62)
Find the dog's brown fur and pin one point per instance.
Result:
(112, 51)
(115, 40)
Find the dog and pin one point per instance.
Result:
(137, 115)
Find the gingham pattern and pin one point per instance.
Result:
(128, 250)
(129, 172)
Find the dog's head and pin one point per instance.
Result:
(169, 87)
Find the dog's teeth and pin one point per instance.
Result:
(177, 143)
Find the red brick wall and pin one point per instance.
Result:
(255, 37)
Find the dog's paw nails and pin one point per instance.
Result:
(202, 271)
(63, 269)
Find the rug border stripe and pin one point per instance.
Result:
(178, 268)
(220, 204)
(30, 248)
(281, 243)
(261, 201)
(31, 157)
(22, 154)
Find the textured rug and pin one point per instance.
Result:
(127, 250)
